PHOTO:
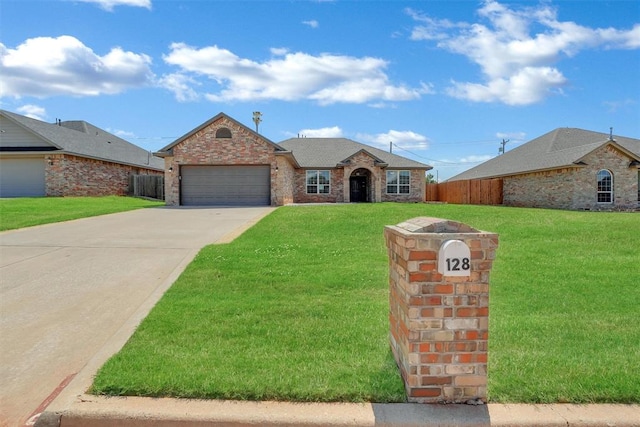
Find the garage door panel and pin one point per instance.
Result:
(225, 185)
(22, 177)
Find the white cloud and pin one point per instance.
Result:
(108, 5)
(326, 78)
(517, 63)
(614, 106)
(312, 23)
(180, 85)
(122, 133)
(475, 158)
(33, 111)
(328, 132)
(404, 139)
(527, 86)
(512, 136)
(46, 66)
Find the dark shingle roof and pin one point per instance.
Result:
(329, 152)
(559, 148)
(86, 140)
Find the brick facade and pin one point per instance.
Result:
(243, 148)
(376, 183)
(439, 325)
(575, 188)
(68, 175)
(285, 179)
(336, 189)
(416, 191)
(288, 183)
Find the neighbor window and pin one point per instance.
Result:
(318, 182)
(605, 186)
(398, 182)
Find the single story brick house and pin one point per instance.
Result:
(68, 158)
(568, 168)
(223, 162)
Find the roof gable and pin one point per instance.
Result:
(35, 128)
(375, 159)
(16, 137)
(333, 152)
(611, 143)
(167, 151)
(562, 147)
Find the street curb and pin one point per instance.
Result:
(101, 411)
(119, 411)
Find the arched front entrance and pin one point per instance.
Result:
(360, 186)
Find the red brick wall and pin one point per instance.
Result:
(67, 175)
(416, 191)
(439, 324)
(203, 148)
(285, 179)
(336, 191)
(575, 187)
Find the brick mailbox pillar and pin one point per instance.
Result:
(439, 308)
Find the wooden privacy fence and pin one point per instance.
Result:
(468, 192)
(147, 186)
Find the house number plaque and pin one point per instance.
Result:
(454, 259)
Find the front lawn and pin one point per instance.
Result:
(27, 212)
(296, 309)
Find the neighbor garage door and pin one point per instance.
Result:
(22, 177)
(225, 185)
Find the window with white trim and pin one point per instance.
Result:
(398, 182)
(605, 186)
(318, 182)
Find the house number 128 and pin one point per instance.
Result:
(454, 259)
(457, 264)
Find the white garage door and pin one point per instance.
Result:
(225, 185)
(22, 177)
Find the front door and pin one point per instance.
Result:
(358, 189)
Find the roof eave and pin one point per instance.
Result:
(289, 155)
(613, 143)
(102, 159)
(505, 175)
(32, 131)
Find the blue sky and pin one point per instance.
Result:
(445, 81)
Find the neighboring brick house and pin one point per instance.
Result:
(69, 158)
(223, 162)
(568, 168)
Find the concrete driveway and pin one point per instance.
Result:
(67, 289)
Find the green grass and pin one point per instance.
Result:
(27, 212)
(296, 309)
